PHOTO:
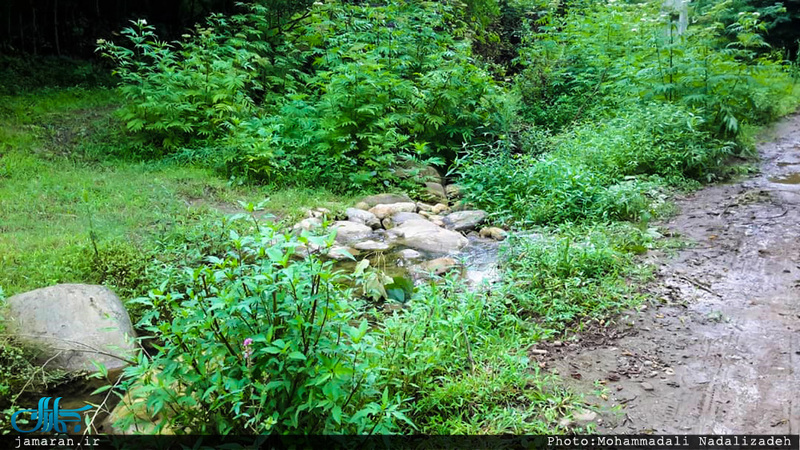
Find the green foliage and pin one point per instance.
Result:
(58, 145)
(451, 360)
(119, 265)
(633, 50)
(301, 353)
(498, 35)
(176, 95)
(645, 139)
(605, 170)
(614, 102)
(258, 344)
(460, 355)
(578, 276)
(611, 107)
(16, 370)
(347, 94)
(780, 20)
(19, 375)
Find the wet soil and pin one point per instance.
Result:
(719, 349)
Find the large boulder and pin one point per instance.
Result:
(403, 217)
(385, 199)
(426, 236)
(363, 217)
(453, 191)
(435, 192)
(383, 211)
(347, 232)
(72, 325)
(464, 220)
(419, 172)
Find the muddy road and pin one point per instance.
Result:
(719, 349)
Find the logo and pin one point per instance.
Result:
(54, 419)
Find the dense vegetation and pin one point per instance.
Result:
(573, 120)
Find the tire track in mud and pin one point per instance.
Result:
(719, 352)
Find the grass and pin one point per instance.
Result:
(60, 184)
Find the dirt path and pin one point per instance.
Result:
(721, 354)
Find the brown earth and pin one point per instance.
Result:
(719, 349)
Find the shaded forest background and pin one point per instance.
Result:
(71, 27)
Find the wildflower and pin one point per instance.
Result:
(248, 352)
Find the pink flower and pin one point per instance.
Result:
(247, 350)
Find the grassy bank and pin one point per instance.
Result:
(64, 191)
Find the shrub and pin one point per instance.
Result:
(256, 343)
(566, 281)
(598, 170)
(174, 96)
(347, 93)
(645, 139)
(619, 49)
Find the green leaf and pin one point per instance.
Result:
(297, 355)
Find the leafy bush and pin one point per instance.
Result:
(717, 72)
(577, 277)
(607, 169)
(343, 97)
(201, 90)
(256, 341)
(258, 344)
(645, 139)
(384, 85)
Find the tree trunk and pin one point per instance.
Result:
(35, 32)
(679, 8)
(21, 33)
(55, 26)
